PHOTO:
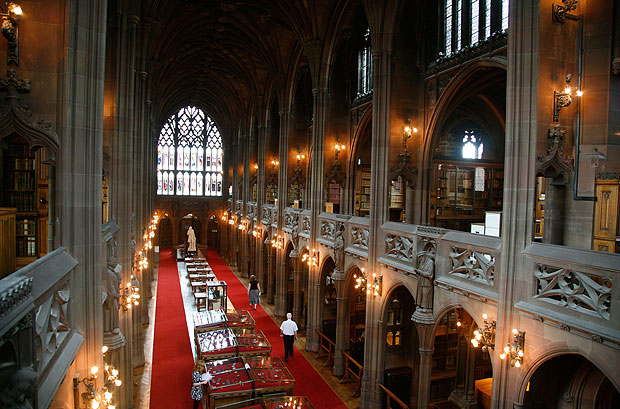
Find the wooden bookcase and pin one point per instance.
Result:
(606, 216)
(7, 241)
(362, 192)
(25, 188)
(463, 191)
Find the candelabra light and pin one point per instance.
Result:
(102, 397)
(278, 242)
(243, 225)
(376, 285)
(360, 281)
(256, 232)
(563, 99)
(514, 350)
(337, 148)
(484, 337)
(130, 294)
(407, 132)
(231, 220)
(299, 156)
(311, 257)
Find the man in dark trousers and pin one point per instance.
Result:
(288, 332)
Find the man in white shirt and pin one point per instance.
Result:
(288, 332)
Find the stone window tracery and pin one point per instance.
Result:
(189, 155)
(364, 67)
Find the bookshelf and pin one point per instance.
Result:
(463, 192)
(295, 194)
(25, 188)
(272, 193)
(333, 197)
(362, 193)
(397, 201)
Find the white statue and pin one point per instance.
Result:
(112, 283)
(191, 240)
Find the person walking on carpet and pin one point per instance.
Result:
(254, 291)
(288, 332)
(199, 379)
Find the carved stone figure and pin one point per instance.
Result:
(426, 275)
(113, 281)
(191, 239)
(339, 249)
(19, 390)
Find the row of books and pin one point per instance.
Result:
(21, 164)
(25, 227)
(22, 181)
(26, 247)
(24, 202)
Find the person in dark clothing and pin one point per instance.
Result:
(197, 381)
(254, 291)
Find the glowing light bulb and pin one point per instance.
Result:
(111, 407)
(415, 130)
(474, 343)
(458, 323)
(567, 90)
(506, 349)
(517, 364)
(15, 9)
(107, 396)
(520, 353)
(579, 93)
(502, 356)
(515, 331)
(104, 349)
(94, 370)
(484, 316)
(118, 382)
(115, 372)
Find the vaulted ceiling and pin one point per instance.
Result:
(224, 54)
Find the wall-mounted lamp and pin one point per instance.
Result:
(243, 225)
(274, 163)
(278, 242)
(376, 285)
(337, 148)
(514, 350)
(98, 398)
(408, 131)
(560, 11)
(255, 166)
(484, 336)
(225, 218)
(299, 156)
(10, 30)
(256, 232)
(360, 281)
(232, 220)
(130, 294)
(311, 257)
(562, 99)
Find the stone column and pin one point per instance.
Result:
(519, 181)
(342, 328)
(272, 277)
(260, 202)
(297, 288)
(281, 279)
(78, 189)
(426, 336)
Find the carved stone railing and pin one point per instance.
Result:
(357, 235)
(468, 264)
(266, 215)
(291, 219)
(305, 224)
(328, 225)
(251, 208)
(36, 300)
(575, 290)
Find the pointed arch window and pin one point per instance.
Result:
(364, 67)
(472, 146)
(189, 155)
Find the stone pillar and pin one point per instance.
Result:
(78, 189)
(272, 276)
(519, 181)
(426, 337)
(342, 328)
(297, 289)
(281, 278)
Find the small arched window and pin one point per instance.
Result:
(472, 146)
(364, 67)
(189, 155)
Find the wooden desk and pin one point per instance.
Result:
(483, 392)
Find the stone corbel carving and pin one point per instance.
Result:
(405, 171)
(19, 390)
(555, 164)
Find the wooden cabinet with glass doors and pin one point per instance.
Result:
(462, 192)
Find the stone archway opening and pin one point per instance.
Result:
(357, 316)
(328, 300)
(570, 381)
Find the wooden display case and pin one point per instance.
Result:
(463, 191)
(226, 343)
(220, 319)
(239, 379)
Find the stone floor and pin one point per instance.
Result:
(142, 375)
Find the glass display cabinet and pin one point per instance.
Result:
(225, 343)
(220, 319)
(286, 402)
(216, 295)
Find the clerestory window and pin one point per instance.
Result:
(189, 155)
(472, 146)
(364, 67)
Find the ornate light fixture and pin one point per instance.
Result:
(562, 99)
(311, 257)
(484, 336)
(407, 132)
(278, 242)
(360, 281)
(515, 350)
(130, 294)
(376, 285)
(337, 148)
(256, 232)
(231, 220)
(299, 156)
(224, 218)
(10, 30)
(560, 11)
(99, 398)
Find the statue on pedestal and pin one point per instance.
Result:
(339, 249)
(426, 275)
(112, 290)
(191, 240)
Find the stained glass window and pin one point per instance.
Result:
(364, 67)
(472, 146)
(189, 155)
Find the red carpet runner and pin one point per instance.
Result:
(308, 382)
(172, 354)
